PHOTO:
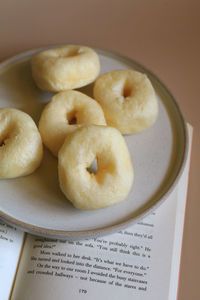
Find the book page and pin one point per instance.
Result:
(11, 241)
(139, 262)
(132, 262)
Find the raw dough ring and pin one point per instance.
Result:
(128, 100)
(65, 113)
(64, 68)
(21, 147)
(113, 180)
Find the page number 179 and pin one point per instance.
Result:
(82, 291)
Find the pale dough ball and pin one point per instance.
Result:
(64, 68)
(21, 147)
(128, 100)
(111, 183)
(66, 112)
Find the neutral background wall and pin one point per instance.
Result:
(161, 34)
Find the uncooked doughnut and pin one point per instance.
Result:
(128, 100)
(64, 68)
(21, 148)
(114, 177)
(66, 112)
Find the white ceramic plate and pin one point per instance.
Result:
(35, 202)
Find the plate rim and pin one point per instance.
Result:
(91, 233)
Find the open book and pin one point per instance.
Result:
(139, 262)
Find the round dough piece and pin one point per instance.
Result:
(66, 112)
(128, 100)
(21, 147)
(64, 68)
(112, 181)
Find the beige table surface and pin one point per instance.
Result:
(161, 34)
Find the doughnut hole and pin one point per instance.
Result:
(94, 188)
(100, 166)
(93, 168)
(70, 53)
(65, 52)
(74, 52)
(71, 117)
(8, 131)
(79, 115)
(127, 89)
(3, 138)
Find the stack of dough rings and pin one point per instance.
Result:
(79, 130)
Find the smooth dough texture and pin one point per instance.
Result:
(66, 112)
(21, 147)
(64, 68)
(128, 100)
(112, 181)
